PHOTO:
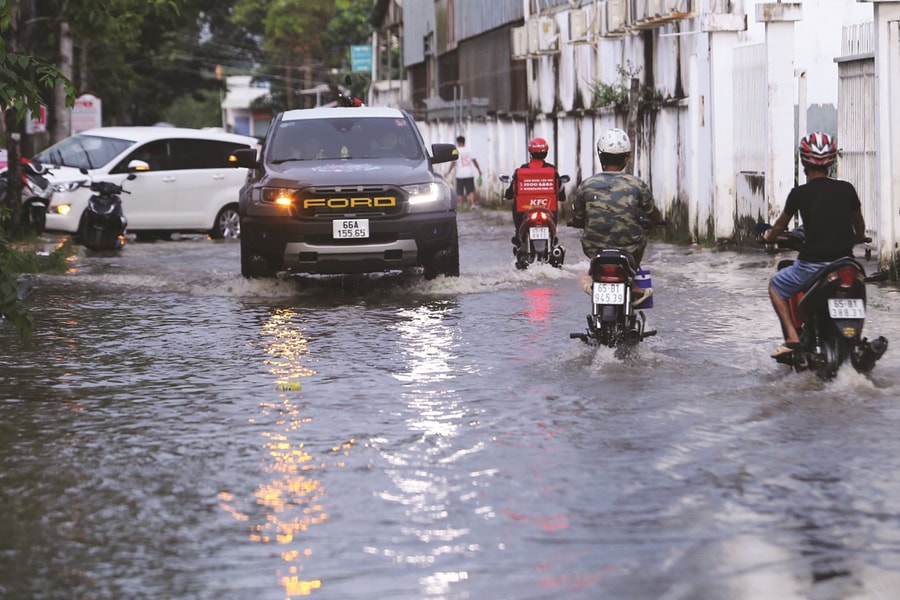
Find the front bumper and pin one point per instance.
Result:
(308, 246)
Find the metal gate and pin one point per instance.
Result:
(749, 121)
(857, 160)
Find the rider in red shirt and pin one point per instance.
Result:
(534, 184)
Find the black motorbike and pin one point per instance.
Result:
(829, 314)
(536, 240)
(616, 319)
(103, 224)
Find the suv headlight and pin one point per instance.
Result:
(422, 193)
(278, 196)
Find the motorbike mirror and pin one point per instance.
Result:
(505, 178)
(564, 178)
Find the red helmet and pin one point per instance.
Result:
(817, 150)
(538, 146)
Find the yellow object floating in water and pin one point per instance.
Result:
(288, 386)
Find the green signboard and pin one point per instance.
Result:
(361, 58)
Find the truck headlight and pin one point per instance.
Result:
(422, 193)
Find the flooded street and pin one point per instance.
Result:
(172, 430)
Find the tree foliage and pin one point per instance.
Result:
(24, 80)
(305, 42)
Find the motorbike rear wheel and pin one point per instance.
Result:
(836, 350)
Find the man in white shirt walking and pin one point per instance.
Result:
(466, 166)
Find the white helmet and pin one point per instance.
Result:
(614, 141)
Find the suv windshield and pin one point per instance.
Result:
(348, 138)
(83, 151)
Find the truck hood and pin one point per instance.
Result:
(378, 171)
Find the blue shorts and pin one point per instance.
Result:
(790, 280)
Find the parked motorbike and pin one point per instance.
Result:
(536, 240)
(829, 314)
(616, 319)
(36, 192)
(103, 224)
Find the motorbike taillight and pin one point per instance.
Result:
(608, 274)
(539, 216)
(846, 276)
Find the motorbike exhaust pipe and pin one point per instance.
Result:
(633, 336)
(870, 352)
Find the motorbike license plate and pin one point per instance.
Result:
(846, 308)
(345, 229)
(608, 293)
(539, 233)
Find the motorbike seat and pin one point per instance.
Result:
(612, 256)
(821, 278)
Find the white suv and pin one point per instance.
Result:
(182, 180)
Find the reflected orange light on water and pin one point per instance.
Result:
(290, 499)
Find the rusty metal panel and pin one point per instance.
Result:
(474, 17)
(487, 71)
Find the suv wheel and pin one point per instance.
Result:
(227, 225)
(255, 265)
(444, 261)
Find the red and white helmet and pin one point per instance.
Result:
(818, 150)
(538, 146)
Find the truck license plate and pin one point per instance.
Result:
(345, 229)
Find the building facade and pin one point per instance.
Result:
(715, 93)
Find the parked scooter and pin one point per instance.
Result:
(103, 224)
(829, 314)
(36, 192)
(536, 240)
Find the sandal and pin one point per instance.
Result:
(647, 293)
(782, 350)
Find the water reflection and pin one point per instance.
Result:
(423, 471)
(291, 500)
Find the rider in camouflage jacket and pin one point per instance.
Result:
(611, 205)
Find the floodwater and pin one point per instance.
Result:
(442, 439)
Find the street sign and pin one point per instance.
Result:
(87, 113)
(361, 58)
(36, 123)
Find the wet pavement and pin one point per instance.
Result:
(172, 430)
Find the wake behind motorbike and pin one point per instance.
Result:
(829, 315)
(103, 224)
(536, 240)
